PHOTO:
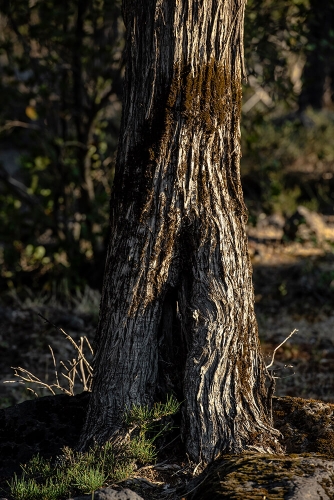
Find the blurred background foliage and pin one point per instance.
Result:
(61, 70)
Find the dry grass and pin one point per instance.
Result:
(77, 369)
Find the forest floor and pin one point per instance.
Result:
(294, 289)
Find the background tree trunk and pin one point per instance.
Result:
(177, 304)
(319, 68)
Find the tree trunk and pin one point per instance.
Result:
(319, 67)
(177, 303)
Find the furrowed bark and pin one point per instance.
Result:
(177, 304)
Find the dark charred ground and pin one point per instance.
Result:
(294, 289)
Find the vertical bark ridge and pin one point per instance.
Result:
(178, 221)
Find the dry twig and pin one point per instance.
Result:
(79, 368)
(276, 348)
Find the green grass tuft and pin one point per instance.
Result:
(75, 472)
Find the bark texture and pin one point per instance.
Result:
(177, 305)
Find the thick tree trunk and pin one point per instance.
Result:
(177, 305)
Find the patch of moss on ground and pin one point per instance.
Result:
(256, 476)
(306, 425)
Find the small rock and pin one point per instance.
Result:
(305, 224)
(111, 494)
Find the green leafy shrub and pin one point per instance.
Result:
(60, 86)
(286, 164)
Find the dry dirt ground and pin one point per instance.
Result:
(294, 289)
